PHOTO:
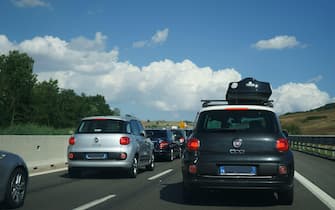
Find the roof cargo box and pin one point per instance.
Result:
(249, 91)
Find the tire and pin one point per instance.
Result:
(286, 197)
(74, 172)
(180, 154)
(171, 155)
(134, 168)
(189, 194)
(16, 188)
(151, 165)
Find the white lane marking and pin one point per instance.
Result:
(47, 172)
(324, 197)
(95, 202)
(160, 174)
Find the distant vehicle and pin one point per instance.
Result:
(110, 142)
(239, 144)
(13, 180)
(180, 135)
(165, 144)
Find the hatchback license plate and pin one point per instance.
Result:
(237, 170)
(96, 156)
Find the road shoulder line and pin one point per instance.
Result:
(94, 203)
(320, 194)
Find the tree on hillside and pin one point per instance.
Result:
(17, 81)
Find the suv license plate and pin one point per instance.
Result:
(237, 170)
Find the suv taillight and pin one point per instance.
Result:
(124, 140)
(72, 140)
(193, 144)
(163, 144)
(282, 145)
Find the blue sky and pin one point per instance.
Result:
(157, 59)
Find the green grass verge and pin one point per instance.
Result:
(33, 129)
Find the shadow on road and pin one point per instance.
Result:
(101, 174)
(173, 193)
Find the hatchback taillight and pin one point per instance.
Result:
(282, 145)
(124, 140)
(163, 144)
(72, 140)
(193, 144)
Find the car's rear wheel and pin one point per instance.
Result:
(74, 172)
(16, 188)
(151, 165)
(134, 168)
(189, 193)
(286, 197)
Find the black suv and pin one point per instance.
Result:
(238, 143)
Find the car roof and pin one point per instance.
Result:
(237, 107)
(123, 118)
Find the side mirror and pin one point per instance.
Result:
(285, 133)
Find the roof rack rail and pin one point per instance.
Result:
(218, 102)
(209, 102)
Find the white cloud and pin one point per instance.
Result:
(158, 38)
(30, 3)
(277, 43)
(161, 86)
(292, 97)
(81, 43)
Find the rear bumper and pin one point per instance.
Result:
(239, 182)
(100, 164)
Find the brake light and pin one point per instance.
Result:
(124, 140)
(282, 145)
(192, 169)
(72, 140)
(236, 108)
(193, 144)
(71, 155)
(163, 144)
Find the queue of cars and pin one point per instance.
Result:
(236, 143)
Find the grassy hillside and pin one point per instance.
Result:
(320, 121)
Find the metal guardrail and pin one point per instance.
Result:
(322, 146)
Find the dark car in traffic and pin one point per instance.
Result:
(239, 144)
(166, 146)
(180, 135)
(13, 180)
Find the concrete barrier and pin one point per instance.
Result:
(40, 152)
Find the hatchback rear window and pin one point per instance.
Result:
(253, 121)
(102, 126)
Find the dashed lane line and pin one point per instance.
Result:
(160, 174)
(95, 202)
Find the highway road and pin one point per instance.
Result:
(161, 189)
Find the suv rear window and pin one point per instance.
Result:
(253, 121)
(102, 126)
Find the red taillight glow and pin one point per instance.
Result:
(124, 140)
(282, 170)
(72, 140)
(163, 144)
(282, 145)
(192, 169)
(71, 156)
(236, 108)
(193, 144)
(123, 156)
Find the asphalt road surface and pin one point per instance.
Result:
(161, 189)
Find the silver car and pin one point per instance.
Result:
(110, 142)
(13, 180)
